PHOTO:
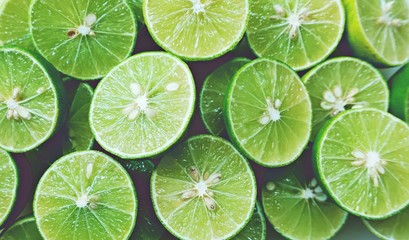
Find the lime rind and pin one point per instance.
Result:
(248, 232)
(18, 229)
(11, 193)
(399, 104)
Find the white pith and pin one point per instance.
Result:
(294, 19)
(373, 163)
(313, 191)
(387, 17)
(140, 104)
(272, 114)
(14, 109)
(85, 29)
(335, 100)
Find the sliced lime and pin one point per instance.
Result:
(143, 106)
(85, 195)
(299, 33)
(23, 229)
(361, 158)
(343, 83)
(400, 94)
(299, 209)
(204, 189)
(8, 186)
(196, 29)
(213, 93)
(136, 5)
(15, 23)
(378, 30)
(256, 228)
(83, 39)
(393, 228)
(30, 101)
(268, 113)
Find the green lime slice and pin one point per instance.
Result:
(378, 30)
(400, 94)
(204, 189)
(79, 131)
(213, 93)
(136, 5)
(268, 113)
(196, 29)
(23, 229)
(255, 228)
(361, 158)
(393, 228)
(15, 23)
(343, 83)
(30, 101)
(299, 33)
(143, 106)
(85, 195)
(299, 209)
(83, 39)
(8, 186)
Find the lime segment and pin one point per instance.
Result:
(361, 158)
(393, 228)
(204, 189)
(85, 195)
(143, 106)
(400, 94)
(256, 228)
(8, 186)
(268, 113)
(24, 229)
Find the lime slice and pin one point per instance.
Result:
(79, 132)
(30, 101)
(400, 94)
(361, 158)
(378, 31)
(299, 33)
(136, 5)
(15, 23)
(268, 113)
(299, 209)
(256, 228)
(196, 29)
(343, 83)
(213, 93)
(393, 228)
(85, 195)
(204, 189)
(8, 186)
(23, 229)
(143, 106)
(85, 39)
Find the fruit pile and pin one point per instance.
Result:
(204, 119)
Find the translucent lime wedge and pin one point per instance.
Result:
(299, 33)
(256, 228)
(83, 39)
(196, 29)
(15, 23)
(213, 93)
(85, 195)
(361, 158)
(344, 83)
(299, 209)
(204, 189)
(393, 228)
(268, 113)
(23, 229)
(8, 186)
(143, 106)
(30, 100)
(400, 94)
(378, 30)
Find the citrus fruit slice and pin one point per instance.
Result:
(83, 39)
(400, 94)
(344, 83)
(299, 209)
(137, 7)
(299, 33)
(8, 186)
(15, 23)
(361, 158)
(204, 189)
(378, 31)
(30, 100)
(85, 195)
(213, 93)
(143, 106)
(256, 228)
(268, 113)
(196, 29)
(23, 229)
(393, 228)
